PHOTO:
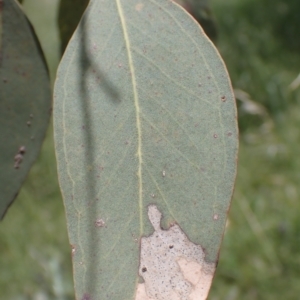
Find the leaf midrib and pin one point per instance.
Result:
(137, 112)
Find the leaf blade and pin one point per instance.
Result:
(144, 144)
(25, 105)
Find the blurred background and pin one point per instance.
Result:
(259, 41)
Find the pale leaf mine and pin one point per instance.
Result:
(173, 268)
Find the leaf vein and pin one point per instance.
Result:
(137, 109)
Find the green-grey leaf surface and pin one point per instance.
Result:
(25, 100)
(144, 114)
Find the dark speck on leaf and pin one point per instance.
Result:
(22, 150)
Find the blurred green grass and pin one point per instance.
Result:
(260, 256)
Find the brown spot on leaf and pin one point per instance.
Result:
(18, 160)
(22, 150)
(19, 157)
(73, 250)
(216, 217)
(99, 223)
(139, 6)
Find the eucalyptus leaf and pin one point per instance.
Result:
(146, 142)
(70, 12)
(25, 100)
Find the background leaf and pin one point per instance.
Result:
(200, 10)
(25, 100)
(144, 114)
(70, 12)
